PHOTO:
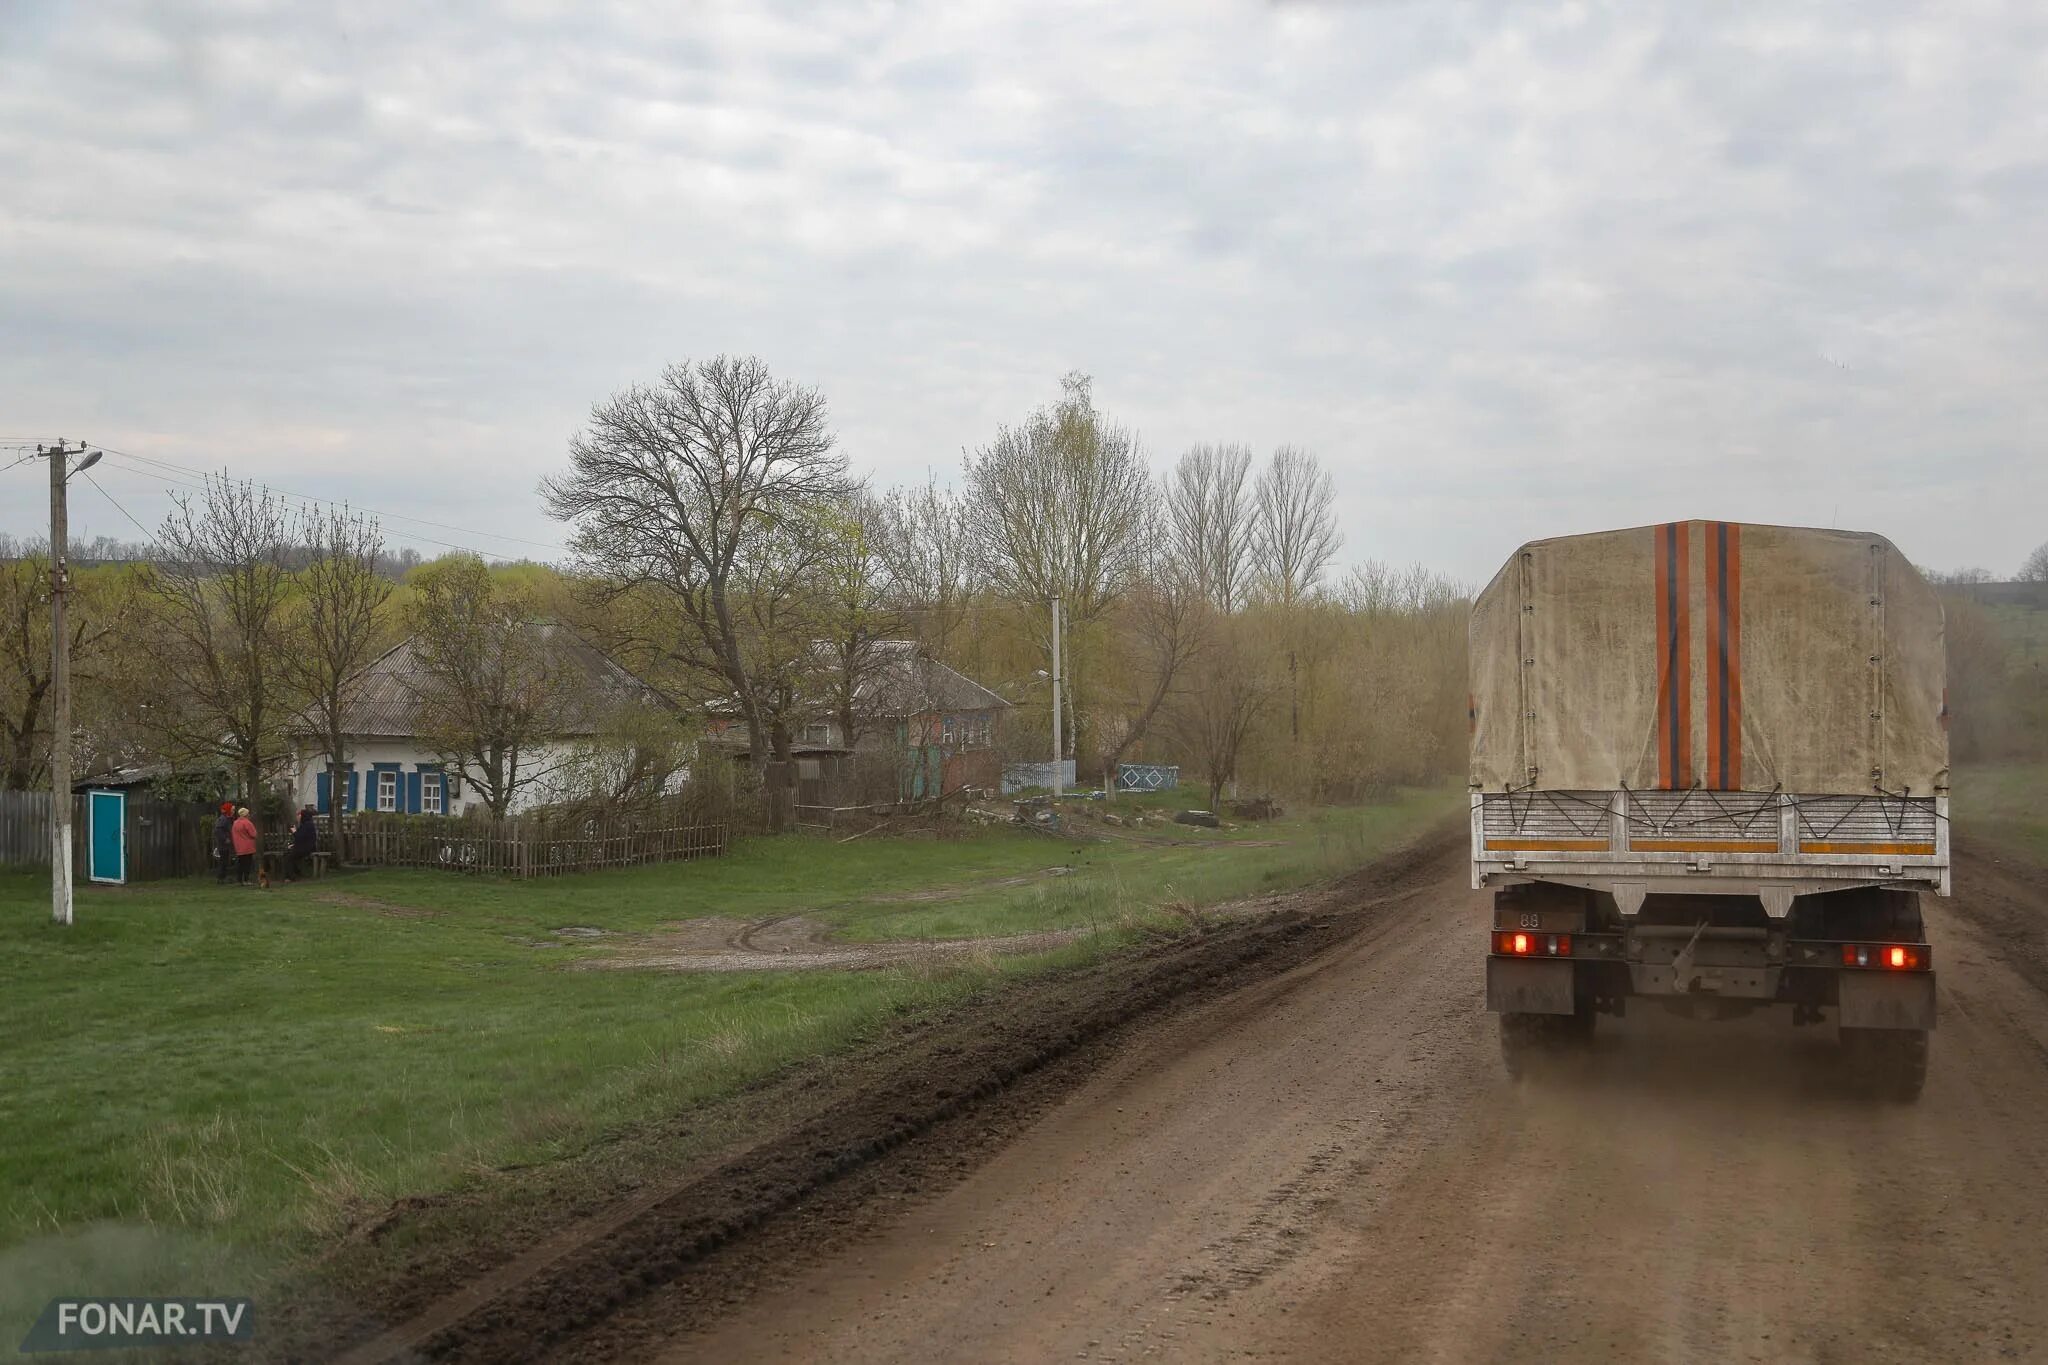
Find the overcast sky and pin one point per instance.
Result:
(1510, 269)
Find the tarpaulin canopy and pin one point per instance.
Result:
(1709, 654)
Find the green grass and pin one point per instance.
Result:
(2006, 804)
(253, 1070)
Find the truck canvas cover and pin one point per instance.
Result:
(1709, 654)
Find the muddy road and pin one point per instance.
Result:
(1331, 1165)
(1292, 1139)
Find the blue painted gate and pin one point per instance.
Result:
(107, 850)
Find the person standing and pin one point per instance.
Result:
(244, 834)
(223, 842)
(305, 837)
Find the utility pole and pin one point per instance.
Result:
(59, 457)
(1057, 683)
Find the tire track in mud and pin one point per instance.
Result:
(950, 1099)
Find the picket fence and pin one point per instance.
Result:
(527, 847)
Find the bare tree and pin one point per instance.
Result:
(334, 630)
(2035, 570)
(491, 682)
(674, 486)
(221, 580)
(1210, 511)
(1297, 524)
(924, 539)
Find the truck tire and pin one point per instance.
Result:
(1887, 1063)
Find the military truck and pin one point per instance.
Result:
(1710, 771)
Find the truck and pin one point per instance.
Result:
(1709, 774)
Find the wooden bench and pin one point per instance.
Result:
(275, 860)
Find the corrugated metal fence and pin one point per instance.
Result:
(165, 839)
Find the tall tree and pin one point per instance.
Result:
(1166, 621)
(2035, 570)
(678, 485)
(1061, 506)
(926, 543)
(492, 681)
(857, 608)
(1210, 511)
(1216, 717)
(220, 582)
(334, 629)
(1297, 524)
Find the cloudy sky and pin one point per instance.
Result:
(1512, 269)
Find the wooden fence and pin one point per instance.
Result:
(527, 847)
(164, 838)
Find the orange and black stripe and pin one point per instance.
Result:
(1674, 655)
(1724, 656)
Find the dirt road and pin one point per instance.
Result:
(1330, 1164)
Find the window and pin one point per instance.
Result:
(387, 789)
(818, 734)
(430, 793)
(949, 729)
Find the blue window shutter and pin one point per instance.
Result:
(412, 792)
(354, 792)
(323, 792)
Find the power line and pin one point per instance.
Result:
(147, 535)
(341, 502)
(129, 464)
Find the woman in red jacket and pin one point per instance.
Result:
(244, 834)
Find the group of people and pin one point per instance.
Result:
(235, 845)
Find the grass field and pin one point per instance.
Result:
(2006, 804)
(249, 1069)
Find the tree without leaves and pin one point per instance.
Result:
(220, 581)
(2035, 570)
(493, 691)
(333, 630)
(1210, 511)
(923, 536)
(675, 486)
(1297, 524)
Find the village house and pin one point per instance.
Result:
(936, 729)
(393, 764)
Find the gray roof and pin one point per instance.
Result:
(387, 699)
(912, 681)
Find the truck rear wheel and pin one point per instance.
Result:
(1888, 1063)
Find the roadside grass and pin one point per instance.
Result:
(261, 1072)
(2005, 803)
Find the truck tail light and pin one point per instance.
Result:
(1525, 943)
(1894, 957)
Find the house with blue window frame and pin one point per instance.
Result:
(390, 764)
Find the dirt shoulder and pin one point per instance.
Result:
(551, 1262)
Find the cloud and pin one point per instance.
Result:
(1514, 270)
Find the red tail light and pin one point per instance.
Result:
(1897, 957)
(1520, 943)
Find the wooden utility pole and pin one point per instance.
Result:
(59, 457)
